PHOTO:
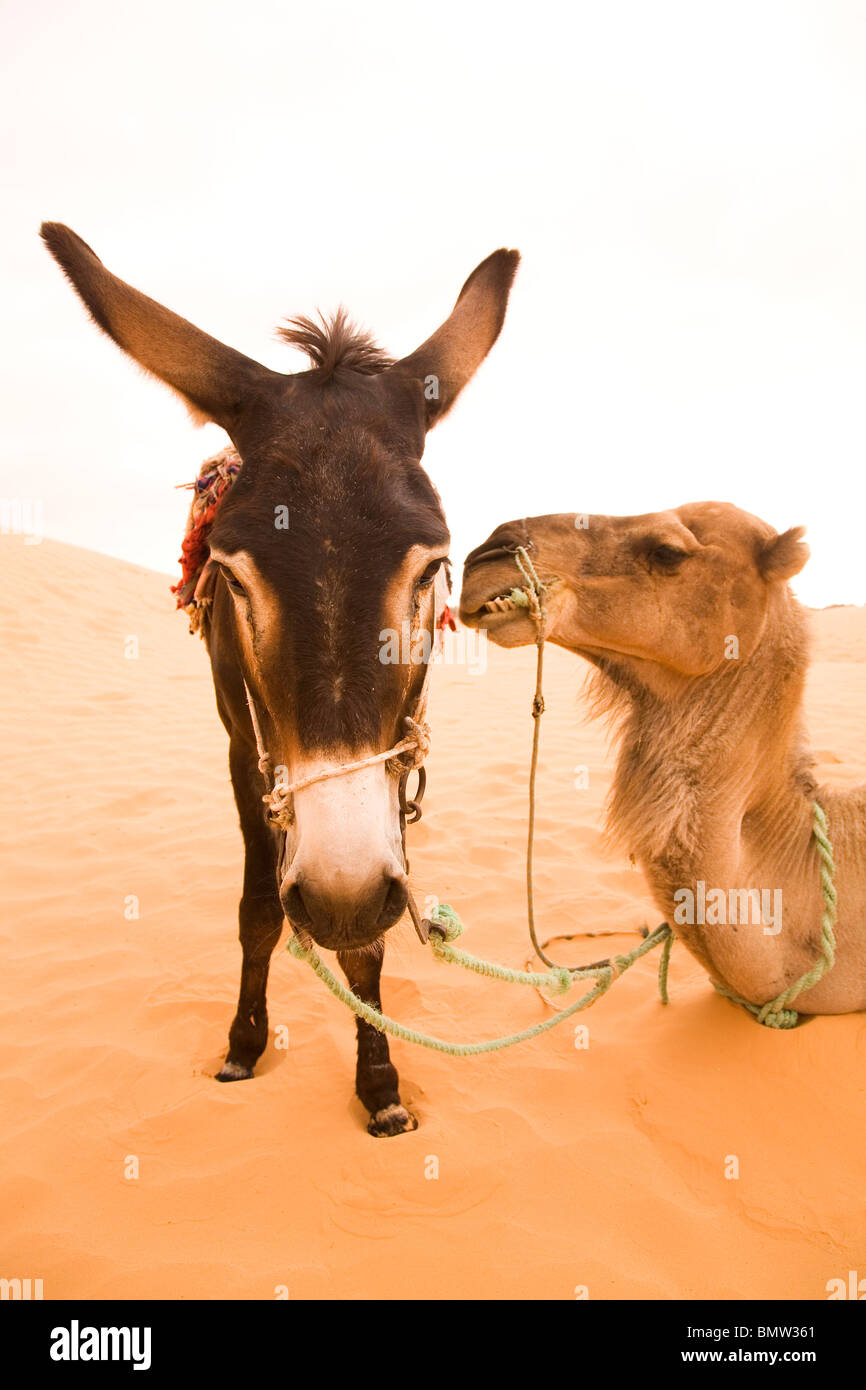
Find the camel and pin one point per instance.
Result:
(699, 653)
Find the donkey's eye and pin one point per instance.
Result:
(234, 584)
(667, 557)
(430, 573)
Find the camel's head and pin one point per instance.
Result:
(668, 595)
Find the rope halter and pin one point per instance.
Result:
(278, 797)
(402, 758)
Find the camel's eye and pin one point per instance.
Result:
(667, 557)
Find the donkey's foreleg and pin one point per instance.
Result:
(376, 1079)
(261, 919)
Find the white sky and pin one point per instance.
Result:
(686, 182)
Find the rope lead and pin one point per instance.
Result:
(777, 1014)
(559, 980)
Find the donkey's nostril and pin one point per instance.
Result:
(396, 898)
(336, 915)
(296, 909)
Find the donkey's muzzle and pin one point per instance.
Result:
(344, 881)
(339, 920)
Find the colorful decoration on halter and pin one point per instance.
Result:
(194, 589)
(446, 619)
(216, 475)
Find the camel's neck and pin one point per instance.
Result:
(729, 747)
(712, 788)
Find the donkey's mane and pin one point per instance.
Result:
(335, 342)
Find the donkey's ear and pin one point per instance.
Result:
(213, 380)
(452, 356)
(785, 555)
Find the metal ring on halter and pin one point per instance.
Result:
(410, 810)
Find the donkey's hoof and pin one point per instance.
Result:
(233, 1071)
(394, 1119)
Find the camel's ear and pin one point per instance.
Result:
(452, 356)
(785, 555)
(214, 380)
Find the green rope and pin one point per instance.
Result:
(446, 927)
(776, 1013)
(664, 963)
(533, 596)
(559, 979)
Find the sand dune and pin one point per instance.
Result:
(557, 1167)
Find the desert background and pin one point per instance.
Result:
(687, 187)
(560, 1169)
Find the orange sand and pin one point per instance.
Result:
(557, 1167)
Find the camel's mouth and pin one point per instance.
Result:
(508, 627)
(495, 593)
(492, 601)
(512, 602)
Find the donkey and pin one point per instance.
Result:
(294, 626)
